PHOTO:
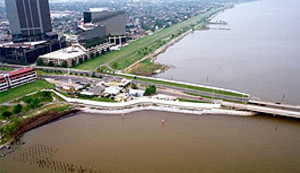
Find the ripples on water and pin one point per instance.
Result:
(260, 54)
(140, 142)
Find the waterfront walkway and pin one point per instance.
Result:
(145, 103)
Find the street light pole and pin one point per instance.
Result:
(283, 96)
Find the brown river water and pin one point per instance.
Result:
(258, 52)
(140, 142)
(261, 52)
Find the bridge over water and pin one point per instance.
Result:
(285, 110)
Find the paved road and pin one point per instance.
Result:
(276, 105)
(264, 109)
(108, 77)
(178, 92)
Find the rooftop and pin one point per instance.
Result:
(88, 26)
(67, 53)
(23, 45)
(19, 71)
(98, 9)
(112, 90)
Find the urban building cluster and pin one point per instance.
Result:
(142, 16)
(117, 90)
(31, 31)
(5, 33)
(147, 17)
(33, 36)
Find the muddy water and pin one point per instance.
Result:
(258, 52)
(139, 142)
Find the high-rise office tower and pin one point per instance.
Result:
(114, 22)
(29, 19)
(31, 28)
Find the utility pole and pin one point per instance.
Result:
(283, 96)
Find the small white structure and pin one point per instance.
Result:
(112, 91)
(66, 88)
(85, 93)
(124, 82)
(69, 54)
(136, 93)
(78, 87)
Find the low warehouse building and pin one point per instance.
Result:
(71, 55)
(111, 91)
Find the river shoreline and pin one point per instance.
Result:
(171, 109)
(163, 48)
(35, 122)
(46, 118)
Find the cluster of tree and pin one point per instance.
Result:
(150, 90)
(34, 102)
(8, 129)
(16, 109)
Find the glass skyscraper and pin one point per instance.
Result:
(29, 19)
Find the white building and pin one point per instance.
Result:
(124, 82)
(112, 91)
(136, 93)
(72, 55)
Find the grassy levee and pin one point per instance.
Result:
(129, 54)
(213, 97)
(209, 90)
(146, 68)
(179, 85)
(155, 41)
(25, 89)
